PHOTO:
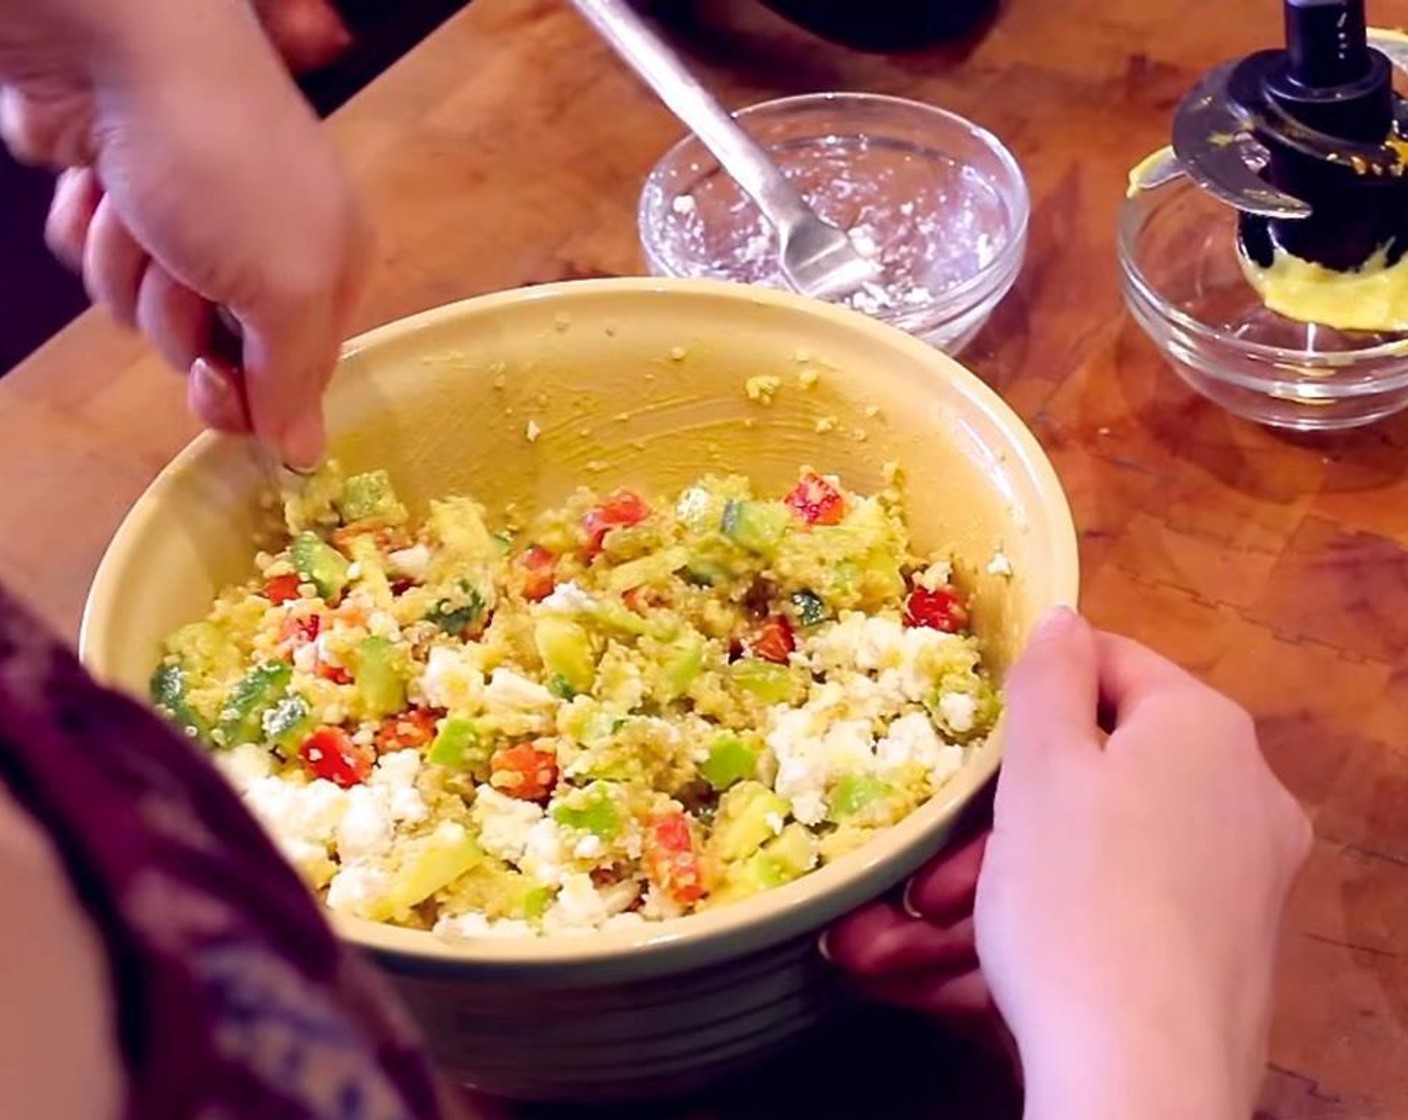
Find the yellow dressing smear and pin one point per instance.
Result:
(1140, 171)
(1373, 297)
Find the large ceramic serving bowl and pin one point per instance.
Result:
(632, 382)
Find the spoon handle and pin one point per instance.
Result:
(685, 96)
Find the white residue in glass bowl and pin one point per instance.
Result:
(929, 222)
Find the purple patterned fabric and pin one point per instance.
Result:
(233, 998)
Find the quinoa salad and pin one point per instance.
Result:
(615, 712)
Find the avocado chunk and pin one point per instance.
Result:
(318, 563)
(370, 497)
(566, 650)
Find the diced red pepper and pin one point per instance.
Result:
(671, 862)
(942, 609)
(775, 640)
(621, 509)
(410, 729)
(539, 577)
(525, 771)
(335, 673)
(282, 589)
(816, 501)
(300, 629)
(330, 753)
(401, 586)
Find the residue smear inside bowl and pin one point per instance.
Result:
(930, 221)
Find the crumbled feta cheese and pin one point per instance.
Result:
(948, 763)
(959, 711)
(999, 565)
(659, 906)
(354, 570)
(544, 853)
(504, 823)
(624, 921)
(467, 927)
(358, 888)
(589, 847)
(297, 812)
(568, 598)
(579, 905)
(409, 563)
(776, 822)
(532, 431)
(508, 689)
(384, 625)
(389, 798)
(244, 765)
(910, 739)
(305, 658)
(451, 680)
(366, 830)
(395, 777)
(936, 575)
(812, 752)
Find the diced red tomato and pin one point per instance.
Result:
(335, 673)
(330, 753)
(525, 771)
(775, 640)
(671, 861)
(401, 586)
(410, 729)
(938, 610)
(300, 629)
(282, 589)
(623, 508)
(816, 501)
(537, 565)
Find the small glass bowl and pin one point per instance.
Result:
(938, 201)
(1184, 285)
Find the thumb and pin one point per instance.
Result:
(1053, 694)
(287, 362)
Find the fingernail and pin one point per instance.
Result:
(907, 903)
(1058, 622)
(209, 380)
(823, 946)
(303, 441)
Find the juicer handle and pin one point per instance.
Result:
(1326, 42)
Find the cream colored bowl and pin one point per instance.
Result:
(635, 382)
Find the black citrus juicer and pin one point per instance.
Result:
(1308, 142)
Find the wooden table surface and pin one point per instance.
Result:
(509, 149)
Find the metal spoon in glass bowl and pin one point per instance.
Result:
(817, 259)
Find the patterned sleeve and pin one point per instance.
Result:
(233, 997)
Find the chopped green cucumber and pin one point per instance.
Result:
(730, 761)
(259, 690)
(381, 677)
(168, 692)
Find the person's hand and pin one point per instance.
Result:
(195, 175)
(1131, 895)
(1128, 898)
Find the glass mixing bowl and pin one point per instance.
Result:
(938, 201)
(1184, 285)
